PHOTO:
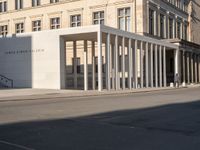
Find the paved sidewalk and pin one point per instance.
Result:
(31, 94)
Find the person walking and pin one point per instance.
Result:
(176, 80)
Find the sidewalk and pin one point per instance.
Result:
(33, 94)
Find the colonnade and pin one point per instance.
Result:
(190, 67)
(130, 63)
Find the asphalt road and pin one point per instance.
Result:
(165, 120)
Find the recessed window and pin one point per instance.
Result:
(4, 30)
(18, 4)
(162, 21)
(171, 28)
(19, 28)
(3, 6)
(185, 31)
(151, 21)
(124, 22)
(35, 3)
(75, 20)
(36, 25)
(55, 23)
(178, 30)
(98, 17)
(54, 1)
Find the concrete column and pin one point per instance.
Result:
(116, 63)
(176, 58)
(192, 67)
(135, 66)
(123, 63)
(108, 62)
(93, 67)
(100, 79)
(164, 67)
(147, 65)
(130, 64)
(160, 67)
(141, 65)
(199, 67)
(183, 65)
(188, 68)
(75, 64)
(151, 65)
(195, 66)
(113, 66)
(156, 65)
(85, 66)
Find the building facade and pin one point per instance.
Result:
(149, 42)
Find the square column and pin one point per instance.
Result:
(151, 57)
(113, 65)
(195, 67)
(75, 64)
(116, 63)
(123, 63)
(108, 62)
(130, 64)
(147, 65)
(156, 65)
(160, 66)
(164, 67)
(188, 68)
(85, 65)
(100, 79)
(199, 68)
(141, 65)
(192, 67)
(93, 67)
(176, 58)
(183, 65)
(135, 66)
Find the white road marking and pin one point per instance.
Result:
(16, 145)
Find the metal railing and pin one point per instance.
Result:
(6, 82)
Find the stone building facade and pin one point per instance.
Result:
(173, 22)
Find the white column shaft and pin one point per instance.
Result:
(108, 62)
(156, 65)
(75, 64)
(123, 63)
(100, 82)
(85, 66)
(116, 63)
(160, 67)
(151, 65)
(147, 65)
(135, 65)
(141, 65)
(164, 67)
(130, 64)
(93, 67)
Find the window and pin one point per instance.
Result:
(36, 25)
(78, 63)
(19, 28)
(151, 21)
(3, 6)
(98, 17)
(55, 23)
(35, 3)
(162, 21)
(18, 4)
(171, 28)
(4, 30)
(75, 20)
(185, 32)
(178, 30)
(124, 22)
(54, 1)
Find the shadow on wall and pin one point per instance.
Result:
(16, 60)
(169, 127)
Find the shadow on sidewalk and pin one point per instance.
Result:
(169, 127)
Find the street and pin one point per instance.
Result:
(159, 120)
